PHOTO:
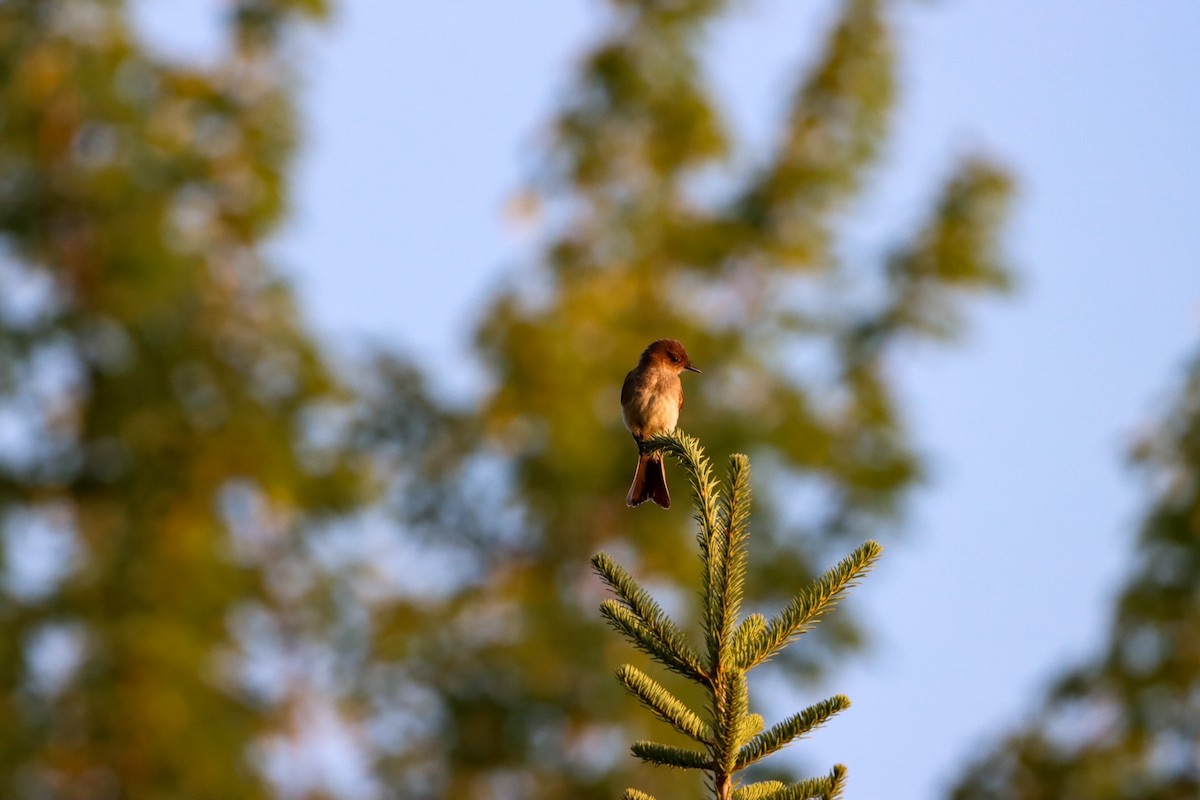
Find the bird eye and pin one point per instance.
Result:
(674, 359)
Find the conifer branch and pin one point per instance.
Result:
(705, 495)
(634, 794)
(733, 736)
(837, 782)
(763, 790)
(728, 570)
(665, 705)
(706, 501)
(660, 643)
(732, 707)
(790, 729)
(747, 633)
(667, 755)
(752, 725)
(827, 788)
(810, 604)
(669, 639)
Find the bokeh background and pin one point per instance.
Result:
(311, 330)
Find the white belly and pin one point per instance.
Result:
(653, 411)
(662, 414)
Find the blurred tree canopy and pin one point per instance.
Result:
(1126, 723)
(158, 383)
(210, 539)
(659, 223)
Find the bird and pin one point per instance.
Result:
(651, 399)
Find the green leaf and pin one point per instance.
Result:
(665, 705)
(795, 726)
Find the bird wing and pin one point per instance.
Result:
(627, 388)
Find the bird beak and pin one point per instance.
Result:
(690, 368)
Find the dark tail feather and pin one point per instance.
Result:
(649, 483)
(656, 482)
(637, 490)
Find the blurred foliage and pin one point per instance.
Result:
(159, 383)
(653, 229)
(1125, 725)
(196, 570)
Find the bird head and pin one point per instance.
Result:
(668, 354)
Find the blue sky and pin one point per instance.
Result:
(421, 119)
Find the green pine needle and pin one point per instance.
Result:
(658, 643)
(837, 782)
(665, 705)
(706, 499)
(828, 788)
(732, 709)
(634, 794)
(727, 571)
(811, 789)
(744, 636)
(666, 755)
(705, 496)
(638, 602)
(752, 725)
(809, 605)
(790, 729)
(763, 790)
(733, 737)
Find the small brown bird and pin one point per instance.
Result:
(651, 400)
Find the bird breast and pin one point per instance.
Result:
(656, 408)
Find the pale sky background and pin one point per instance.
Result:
(420, 120)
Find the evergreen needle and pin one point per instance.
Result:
(732, 736)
